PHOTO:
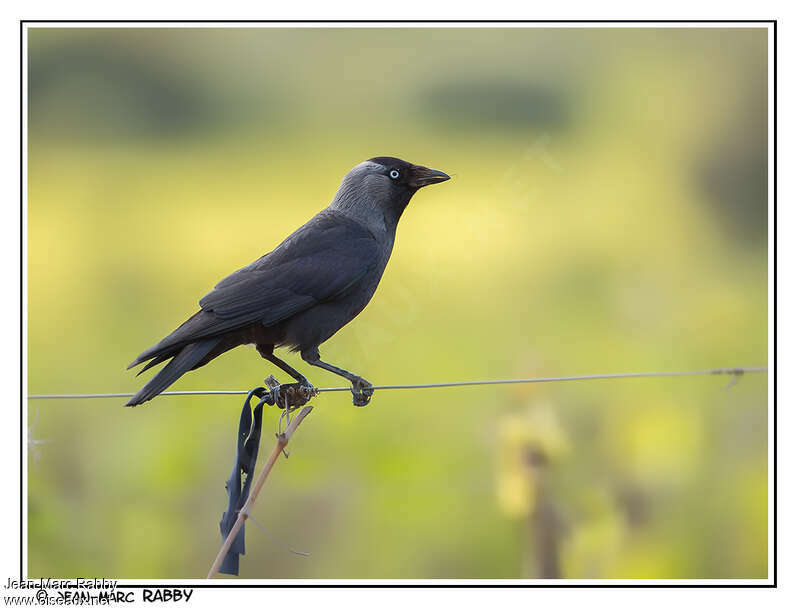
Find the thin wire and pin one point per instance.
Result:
(274, 540)
(732, 371)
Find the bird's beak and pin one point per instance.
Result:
(422, 177)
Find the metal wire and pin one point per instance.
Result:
(731, 371)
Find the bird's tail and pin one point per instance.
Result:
(183, 361)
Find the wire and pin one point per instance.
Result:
(123, 395)
(733, 371)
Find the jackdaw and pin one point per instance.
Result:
(300, 294)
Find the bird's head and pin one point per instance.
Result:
(403, 175)
(384, 184)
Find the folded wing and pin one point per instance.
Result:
(322, 261)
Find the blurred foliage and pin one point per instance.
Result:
(492, 103)
(112, 93)
(528, 439)
(734, 170)
(576, 237)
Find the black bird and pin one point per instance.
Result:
(300, 294)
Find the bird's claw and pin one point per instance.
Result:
(362, 392)
(291, 395)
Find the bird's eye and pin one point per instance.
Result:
(394, 174)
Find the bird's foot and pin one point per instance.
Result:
(291, 395)
(362, 391)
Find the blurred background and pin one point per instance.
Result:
(608, 213)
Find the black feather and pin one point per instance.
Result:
(156, 361)
(187, 358)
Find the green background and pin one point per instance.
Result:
(607, 213)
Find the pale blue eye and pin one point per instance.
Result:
(394, 174)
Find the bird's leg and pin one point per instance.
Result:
(362, 390)
(288, 395)
(286, 367)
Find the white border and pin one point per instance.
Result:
(244, 583)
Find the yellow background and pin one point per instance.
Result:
(607, 213)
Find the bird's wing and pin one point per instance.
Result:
(320, 262)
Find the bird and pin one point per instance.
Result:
(301, 293)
